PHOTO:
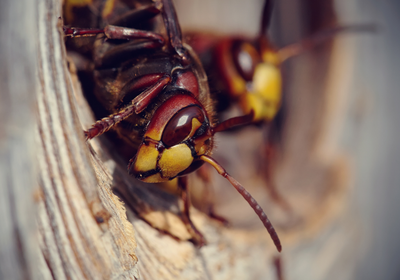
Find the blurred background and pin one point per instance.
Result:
(374, 136)
(362, 241)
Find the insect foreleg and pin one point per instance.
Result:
(182, 183)
(137, 105)
(174, 29)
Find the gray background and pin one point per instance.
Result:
(371, 131)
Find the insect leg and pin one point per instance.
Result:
(114, 32)
(106, 123)
(137, 105)
(208, 194)
(81, 32)
(129, 19)
(125, 33)
(270, 155)
(266, 17)
(233, 122)
(199, 238)
(120, 53)
(119, 27)
(173, 29)
(278, 267)
(141, 101)
(243, 120)
(229, 123)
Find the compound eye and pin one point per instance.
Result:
(180, 127)
(246, 59)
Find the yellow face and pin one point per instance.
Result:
(166, 164)
(254, 79)
(264, 95)
(165, 155)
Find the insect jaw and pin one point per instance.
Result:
(171, 146)
(154, 162)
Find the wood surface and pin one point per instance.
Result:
(51, 176)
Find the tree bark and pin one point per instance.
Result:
(82, 224)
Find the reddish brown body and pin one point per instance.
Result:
(156, 92)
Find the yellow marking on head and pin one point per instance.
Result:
(175, 160)
(195, 126)
(263, 111)
(265, 98)
(154, 133)
(202, 149)
(267, 81)
(155, 178)
(146, 159)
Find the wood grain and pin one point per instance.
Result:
(84, 231)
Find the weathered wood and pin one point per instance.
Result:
(82, 224)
